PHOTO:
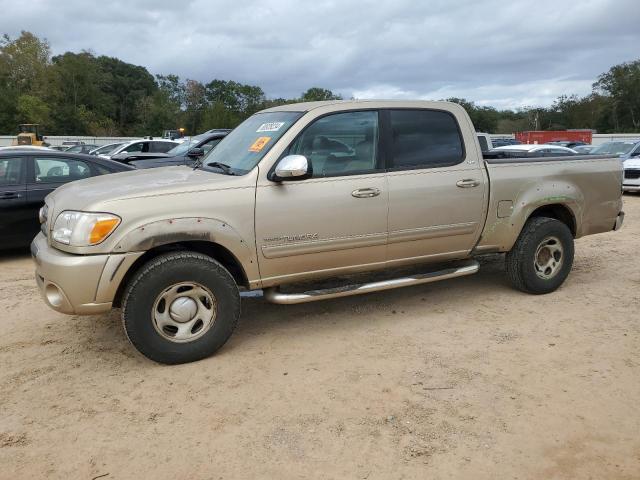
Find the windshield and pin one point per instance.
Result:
(245, 146)
(107, 149)
(184, 147)
(614, 148)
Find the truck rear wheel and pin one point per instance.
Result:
(180, 307)
(542, 257)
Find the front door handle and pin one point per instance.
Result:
(467, 183)
(365, 192)
(9, 195)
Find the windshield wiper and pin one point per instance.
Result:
(222, 166)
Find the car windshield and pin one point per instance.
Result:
(105, 150)
(247, 144)
(183, 147)
(614, 148)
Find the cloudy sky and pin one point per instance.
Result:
(499, 53)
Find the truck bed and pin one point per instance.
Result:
(585, 189)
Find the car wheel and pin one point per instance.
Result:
(542, 257)
(180, 307)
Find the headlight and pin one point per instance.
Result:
(42, 214)
(80, 229)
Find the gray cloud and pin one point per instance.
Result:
(495, 53)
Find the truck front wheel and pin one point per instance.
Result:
(542, 257)
(180, 307)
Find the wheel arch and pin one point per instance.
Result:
(558, 211)
(214, 250)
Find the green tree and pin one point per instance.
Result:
(23, 66)
(24, 62)
(315, 94)
(78, 84)
(485, 119)
(32, 109)
(622, 85)
(126, 85)
(195, 103)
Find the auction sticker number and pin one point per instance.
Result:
(270, 127)
(259, 144)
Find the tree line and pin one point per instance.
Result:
(85, 94)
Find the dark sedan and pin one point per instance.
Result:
(186, 153)
(27, 176)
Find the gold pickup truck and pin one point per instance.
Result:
(350, 191)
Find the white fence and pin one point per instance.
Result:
(6, 140)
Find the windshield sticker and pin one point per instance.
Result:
(259, 144)
(270, 127)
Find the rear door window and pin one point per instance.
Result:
(137, 147)
(60, 170)
(11, 171)
(161, 147)
(424, 139)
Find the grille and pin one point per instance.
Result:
(632, 174)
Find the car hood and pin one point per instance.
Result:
(90, 193)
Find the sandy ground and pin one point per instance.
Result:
(460, 379)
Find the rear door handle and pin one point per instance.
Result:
(9, 195)
(365, 192)
(467, 183)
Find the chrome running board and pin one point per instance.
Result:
(274, 295)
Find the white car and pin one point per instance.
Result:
(542, 150)
(143, 145)
(105, 149)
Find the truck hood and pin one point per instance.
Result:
(88, 193)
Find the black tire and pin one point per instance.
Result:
(161, 273)
(521, 260)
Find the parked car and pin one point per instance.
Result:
(70, 143)
(142, 146)
(23, 147)
(623, 148)
(544, 150)
(629, 153)
(311, 191)
(501, 142)
(105, 149)
(585, 149)
(485, 141)
(567, 143)
(186, 153)
(27, 175)
(82, 148)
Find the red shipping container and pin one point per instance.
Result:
(546, 136)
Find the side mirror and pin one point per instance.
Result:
(195, 152)
(292, 167)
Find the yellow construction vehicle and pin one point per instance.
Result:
(29, 134)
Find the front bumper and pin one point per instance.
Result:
(78, 284)
(630, 184)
